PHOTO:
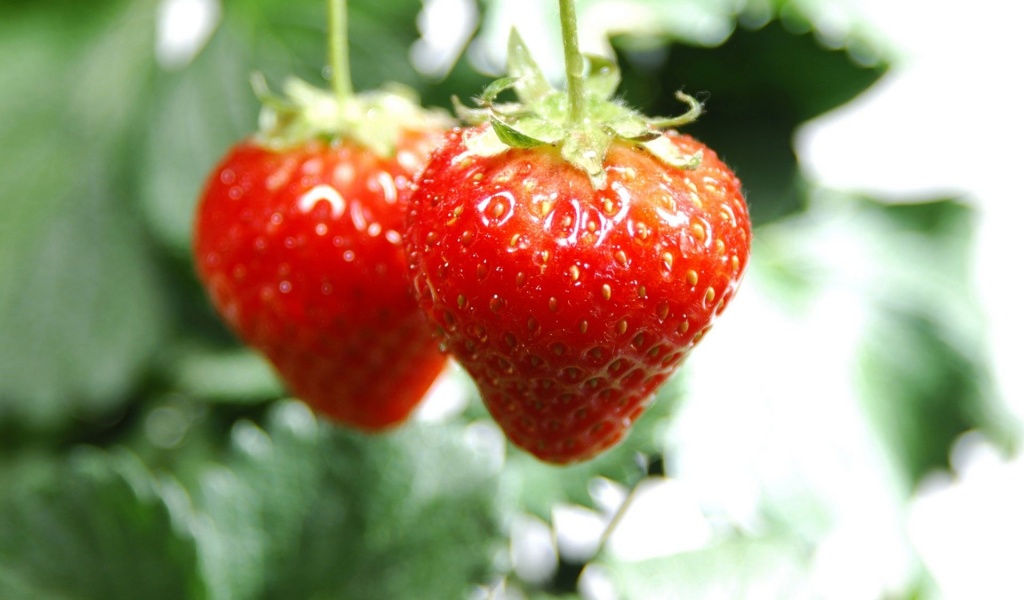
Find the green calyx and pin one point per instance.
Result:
(374, 119)
(541, 117)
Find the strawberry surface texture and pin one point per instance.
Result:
(301, 253)
(569, 304)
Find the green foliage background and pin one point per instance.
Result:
(145, 454)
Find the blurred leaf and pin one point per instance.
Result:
(919, 360)
(757, 88)
(922, 368)
(736, 568)
(238, 375)
(80, 305)
(776, 435)
(923, 391)
(197, 114)
(322, 512)
(464, 81)
(289, 38)
(91, 527)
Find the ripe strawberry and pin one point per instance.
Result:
(297, 242)
(571, 293)
(300, 251)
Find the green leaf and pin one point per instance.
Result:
(95, 526)
(237, 375)
(912, 347)
(936, 390)
(755, 99)
(322, 512)
(257, 500)
(530, 84)
(197, 114)
(737, 568)
(288, 39)
(81, 305)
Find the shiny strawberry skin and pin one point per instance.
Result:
(570, 306)
(301, 253)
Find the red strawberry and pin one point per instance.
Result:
(297, 242)
(570, 298)
(568, 305)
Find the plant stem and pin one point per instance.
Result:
(573, 62)
(337, 31)
(613, 523)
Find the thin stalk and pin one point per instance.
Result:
(616, 519)
(573, 62)
(337, 31)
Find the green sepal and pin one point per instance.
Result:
(473, 116)
(494, 89)
(373, 119)
(530, 84)
(513, 137)
(691, 114)
(603, 78)
(586, 149)
(540, 117)
(485, 143)
(669, 153)
(633, 130)
(540, 127)
(261, 89)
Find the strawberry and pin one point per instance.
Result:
(570, 288)
(297, 241)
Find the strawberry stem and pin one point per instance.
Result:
(573, 63)
(337, 31)
(616, 519)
